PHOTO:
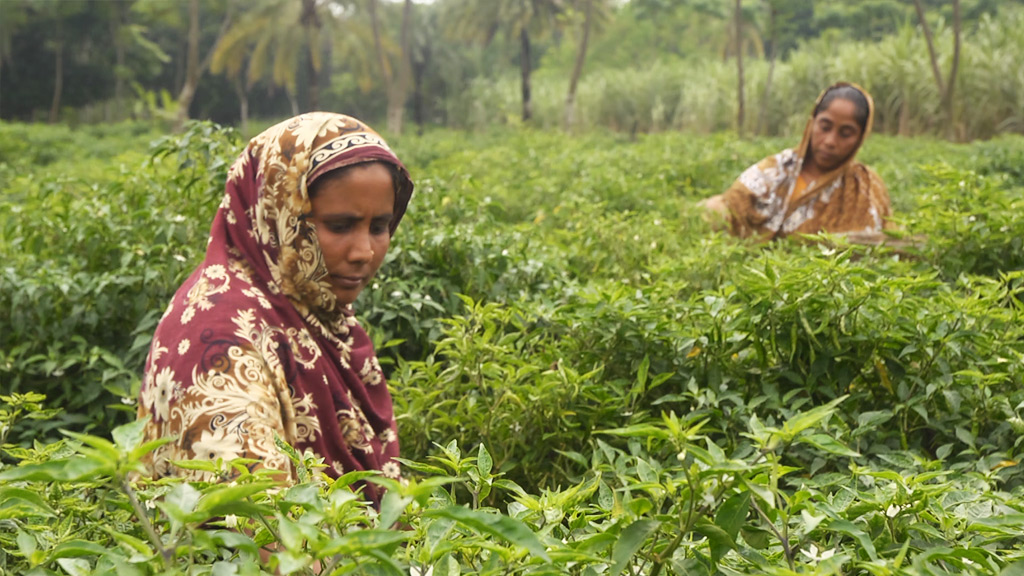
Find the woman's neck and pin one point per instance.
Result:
(810, 170)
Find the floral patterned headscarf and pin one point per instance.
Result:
(255, 343)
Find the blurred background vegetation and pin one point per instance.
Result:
(940, 67)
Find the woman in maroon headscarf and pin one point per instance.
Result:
(261, 339)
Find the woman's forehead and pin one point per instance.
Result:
(841, 110)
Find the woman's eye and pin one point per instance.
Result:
(338, 227)
(379, 228)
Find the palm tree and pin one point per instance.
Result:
(945, 87)
(194, 67)
(481, 20)
(272, 40)
(396, 82)
(593, 11)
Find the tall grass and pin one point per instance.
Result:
(700, 95)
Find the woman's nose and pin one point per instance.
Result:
(361, 249)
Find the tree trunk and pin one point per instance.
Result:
(904, 123)
(739, 68)
(117, 32)
(382, 61)
(188, 90)
(419, 67)
(931, 46)
(243, 105)
(951, 82)
(58, 80)
(398, 90)
(524, 67)
(311, 21)
(293, 100)
(581, 55)
(762, 121)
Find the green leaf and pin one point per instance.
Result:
(1015, 569)
(719, 541)
(508, 529)
(630, 541)
(74, 469)
(128, 437)
(102, 449)
(18, 502)
(851, 529)
(484, 463)
(810, 418)
(26, 544)
(391, 507)
(361, 541)
(641, 373)
(76, 548)
(226, 499)
(220, 568)
(75, 566)
(732, 514)
(305, 495)
(639, 430)
(290, 562)
(828, 444)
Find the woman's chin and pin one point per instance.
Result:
(347, 296)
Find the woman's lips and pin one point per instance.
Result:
(347, 282)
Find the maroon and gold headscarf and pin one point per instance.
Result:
(763, 201)
(254, 343)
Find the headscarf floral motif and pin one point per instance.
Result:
(255, 343)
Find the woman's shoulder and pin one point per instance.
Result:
(867, 173)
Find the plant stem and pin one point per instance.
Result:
(165, 554)
(785, 543)
(684, 529)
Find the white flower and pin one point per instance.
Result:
(895, 509)
(657, 222)
(183, 346)
(814, 556)
(179, 258)
(231, 521)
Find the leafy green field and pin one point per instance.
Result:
(588, 380)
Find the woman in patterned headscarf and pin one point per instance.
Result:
(261, 339)
(817, 187)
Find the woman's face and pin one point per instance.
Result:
(352, 212)
(835, 134)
